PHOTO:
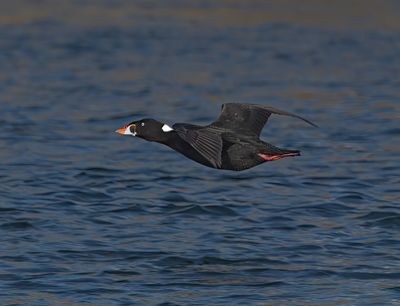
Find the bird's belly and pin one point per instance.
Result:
(240, 157)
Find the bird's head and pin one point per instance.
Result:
(149, 129)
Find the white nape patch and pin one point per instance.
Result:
(167, 128)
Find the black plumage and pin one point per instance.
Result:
(232, 142)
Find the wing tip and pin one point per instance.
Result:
(311, 123)
(278, 111)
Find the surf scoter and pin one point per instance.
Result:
(232, 142)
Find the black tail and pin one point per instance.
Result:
(272, 150)
(294, 152)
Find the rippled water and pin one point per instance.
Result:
(90, 217)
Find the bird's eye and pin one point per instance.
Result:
(142, 124)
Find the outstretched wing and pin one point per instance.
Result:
(207, 143)
(248, 119)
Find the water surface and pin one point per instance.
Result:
(88, 217)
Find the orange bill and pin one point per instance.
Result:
(121, 131)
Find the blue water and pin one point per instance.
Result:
(88, 217)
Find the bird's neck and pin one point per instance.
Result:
(168, 138)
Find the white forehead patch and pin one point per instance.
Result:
(167, 128)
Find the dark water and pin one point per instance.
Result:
(89, 217)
